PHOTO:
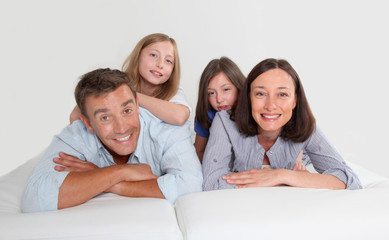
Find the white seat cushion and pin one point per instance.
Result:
(107, 216)
(288, 213)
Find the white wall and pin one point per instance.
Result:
(339, 48)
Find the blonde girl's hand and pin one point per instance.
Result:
(299, 165)
(266, 177)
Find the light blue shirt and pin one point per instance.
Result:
(168, 149)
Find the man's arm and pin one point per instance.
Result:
(85, 181)
(145, 188)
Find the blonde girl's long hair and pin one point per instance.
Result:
(131, 66)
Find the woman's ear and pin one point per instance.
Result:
(87, 123)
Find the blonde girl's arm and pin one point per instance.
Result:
(75, 115)
(200, 144)
(169, 112)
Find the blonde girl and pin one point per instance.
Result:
(154, 69)
(220, 84)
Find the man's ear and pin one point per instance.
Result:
(85, 120)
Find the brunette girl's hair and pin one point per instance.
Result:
(214, 67)
(131, 66)
(302, 123)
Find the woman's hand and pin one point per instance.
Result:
(266, 177)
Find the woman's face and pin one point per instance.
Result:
(273, 99)
(156, 63)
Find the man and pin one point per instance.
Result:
(117, 147)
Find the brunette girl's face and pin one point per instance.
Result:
(156, 63)
(222, 93)
(273, 99)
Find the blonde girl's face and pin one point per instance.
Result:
(156, 63)
(222, 93)
(273, 99)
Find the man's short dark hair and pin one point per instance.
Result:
(98, 82)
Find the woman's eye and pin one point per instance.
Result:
(211, 93)
(283, 94)
(169, 61)
(259, 94)
(153, 54)
(227, 89)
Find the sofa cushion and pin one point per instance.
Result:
(288, 213)
(107, 216)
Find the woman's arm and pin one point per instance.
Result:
(169, 112)
(275, 177)
(200, 144)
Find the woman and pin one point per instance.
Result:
(272, 124)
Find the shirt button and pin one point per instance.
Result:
(214, 160)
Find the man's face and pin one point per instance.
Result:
(114, 117)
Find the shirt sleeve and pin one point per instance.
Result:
(326, 160)
(180, 165)
(180, 98)
(42, 187)
(201, 130)
(218, 156)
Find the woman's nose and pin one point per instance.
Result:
(270, 104)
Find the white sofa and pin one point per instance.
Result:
(256, 213)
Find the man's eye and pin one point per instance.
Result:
(104, 118)
(128, 111)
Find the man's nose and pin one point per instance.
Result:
(120, 125)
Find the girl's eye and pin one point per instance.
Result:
(211, 93)
(227, 89)
(153, 54)
(169, 61)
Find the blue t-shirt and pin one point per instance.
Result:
(200, 129)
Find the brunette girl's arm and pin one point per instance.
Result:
(200, 144)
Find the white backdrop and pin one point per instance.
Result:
(339, 48)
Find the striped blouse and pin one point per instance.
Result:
(229, 151)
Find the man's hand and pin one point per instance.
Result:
(68, 163)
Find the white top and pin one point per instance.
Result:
(180, 98)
